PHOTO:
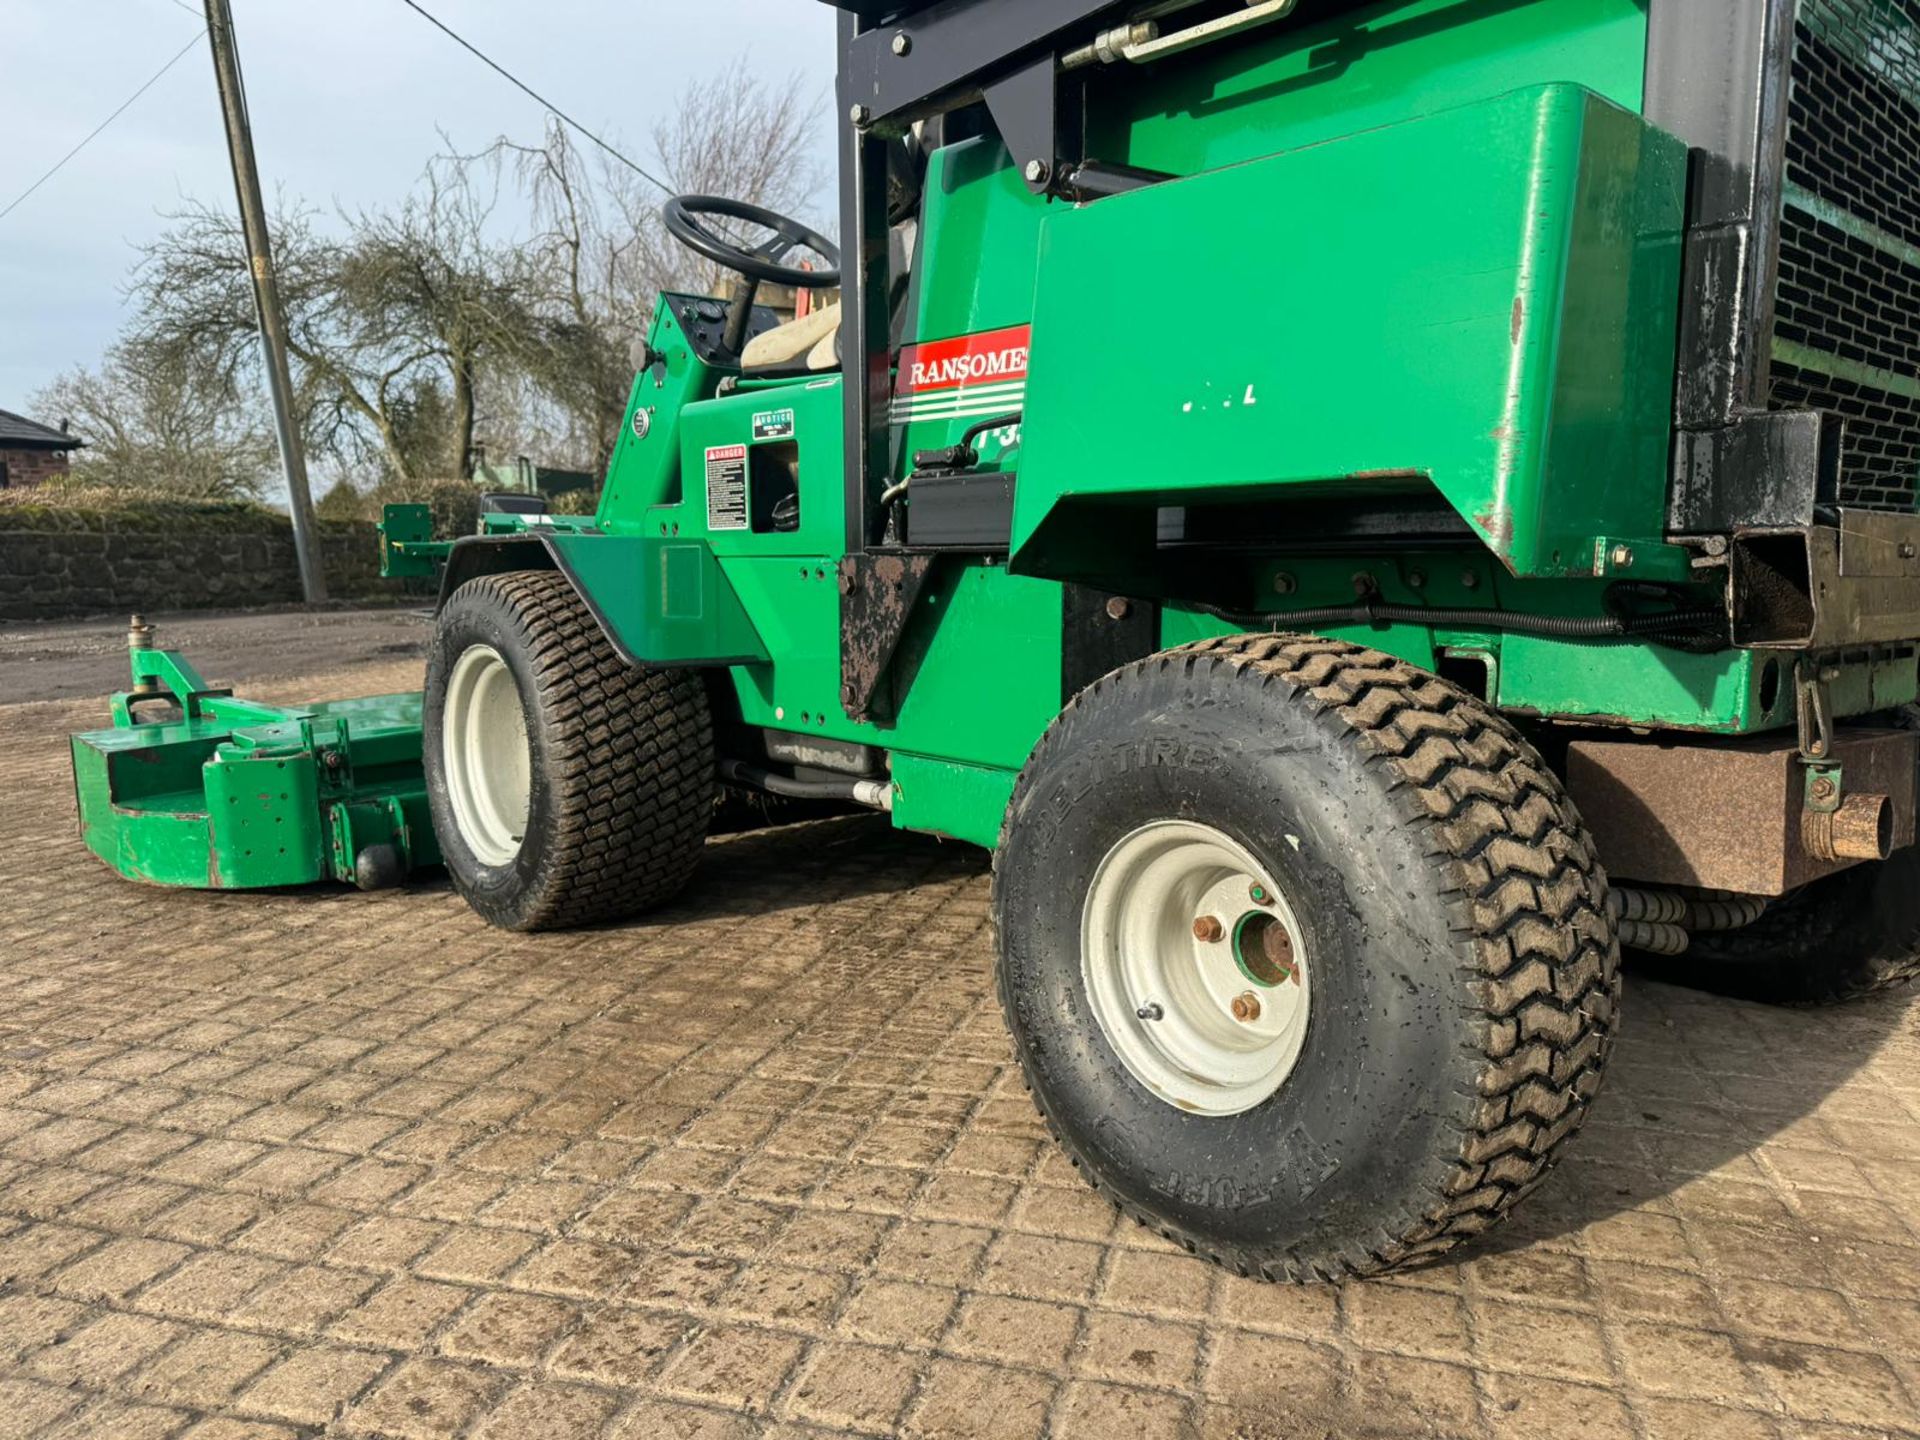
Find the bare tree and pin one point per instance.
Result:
(389, 327)
(417, 330)
(164, 421)
(441, 300)
(600, 254)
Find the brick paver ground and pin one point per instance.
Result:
(284, 1164)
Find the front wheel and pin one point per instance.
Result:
(1306, 956)
(567, 786)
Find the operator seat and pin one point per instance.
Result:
(817, 336)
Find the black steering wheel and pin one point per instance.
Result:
(683, 215)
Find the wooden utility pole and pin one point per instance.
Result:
(266, 295)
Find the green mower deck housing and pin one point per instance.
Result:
(192, 787)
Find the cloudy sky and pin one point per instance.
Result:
(348, 100)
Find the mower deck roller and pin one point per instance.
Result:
(1366, 508)
(192, 787)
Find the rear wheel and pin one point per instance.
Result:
(568, 787)
(1306, 955)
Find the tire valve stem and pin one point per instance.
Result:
(1151, 1011)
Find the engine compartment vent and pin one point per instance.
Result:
(1847, 324)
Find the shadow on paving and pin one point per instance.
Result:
(759, 1161)
(1697, 1082)
(1697, 1085)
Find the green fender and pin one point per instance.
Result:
(659, 601)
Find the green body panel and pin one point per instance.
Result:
(1517, 357)
(1440, 275)
(977, 680)
(1598, 682)
(727, 423)
(142, 806)
(982, 231)
(238, 796)
(645, 469)
(1369, 66)
(962, 802)
(264, 818)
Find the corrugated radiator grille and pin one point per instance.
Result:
(1847, 332)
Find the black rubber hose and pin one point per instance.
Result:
(998, 422)
(774, 784)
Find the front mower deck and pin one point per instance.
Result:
(223, 794)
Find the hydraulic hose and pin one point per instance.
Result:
(875, 794)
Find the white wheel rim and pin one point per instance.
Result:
(1163, 993)
(487, 760)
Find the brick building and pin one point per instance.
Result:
(30, 452)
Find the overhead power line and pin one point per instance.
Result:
(61, 164)
(527, 89)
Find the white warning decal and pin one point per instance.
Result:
(727, 487)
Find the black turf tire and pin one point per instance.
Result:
(622, 761)
(1466, 978)
(1847, 937)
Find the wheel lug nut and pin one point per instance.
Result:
(1259, 894)
(1246, 1007)
(1151, 1012)
(1208, 930)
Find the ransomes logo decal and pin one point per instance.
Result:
(968, 376)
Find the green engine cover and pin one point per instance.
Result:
(1478, 301)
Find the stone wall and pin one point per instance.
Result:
(64, 564)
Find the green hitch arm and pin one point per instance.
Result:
(408, 550)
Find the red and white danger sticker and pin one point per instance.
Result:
(969, 375)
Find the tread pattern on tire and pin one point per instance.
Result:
(633, 780)
(1529, 899)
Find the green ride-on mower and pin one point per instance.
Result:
(1366, 509)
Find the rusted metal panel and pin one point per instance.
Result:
(877, 596)
(1726, 816)
(1824, 586)
(1875, 545)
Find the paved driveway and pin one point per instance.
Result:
(280, 1164)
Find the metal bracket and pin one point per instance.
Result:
(1099, 633)
(1760, 471)
(1826, 787)
(1026, 109)
(329, 739)
(1813, 709)
(162, 674)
